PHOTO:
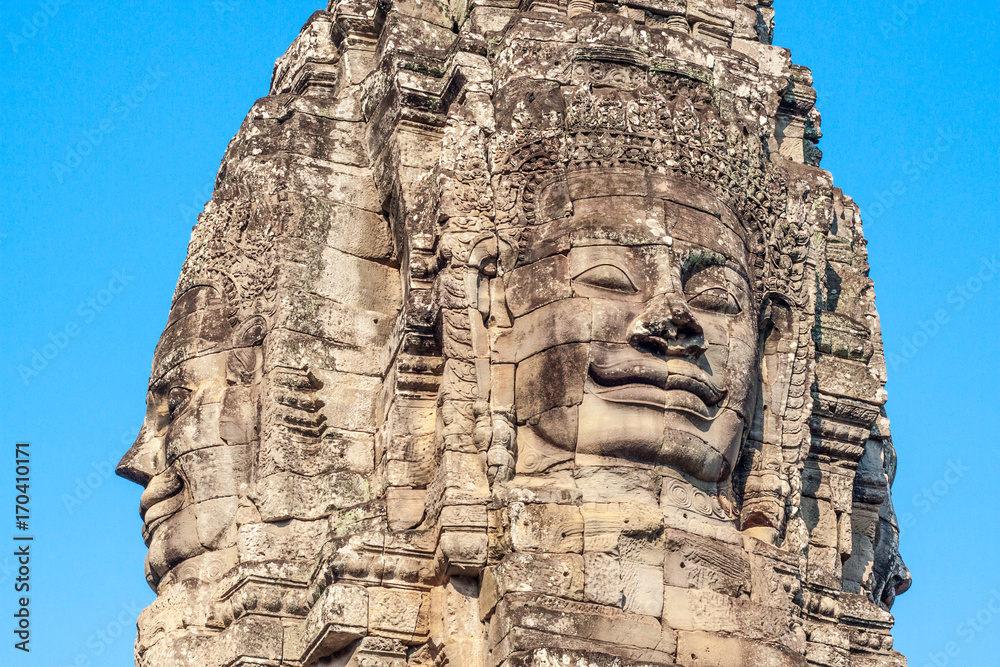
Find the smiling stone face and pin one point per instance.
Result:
(193, 450)
(634, 329)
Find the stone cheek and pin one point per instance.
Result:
(551, 379)
(523, 339)
(558, 323)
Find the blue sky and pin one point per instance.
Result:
(92, 240)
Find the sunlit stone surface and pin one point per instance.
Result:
(523, 335)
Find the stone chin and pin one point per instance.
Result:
(670, 436)
(172, 544)
(163, 512)
(182, 538)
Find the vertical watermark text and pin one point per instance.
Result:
(22, 546)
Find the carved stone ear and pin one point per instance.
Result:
(484, 255)
(764, 489)
(252, 332)
(493, 254)
(777, 349)
(241, 367)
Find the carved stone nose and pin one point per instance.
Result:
(139, 463)
(667, 327)
(898, 582)
(901, 580)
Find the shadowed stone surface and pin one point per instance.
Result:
(523, 334)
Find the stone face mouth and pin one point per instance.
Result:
(162, 499)
(620, 374)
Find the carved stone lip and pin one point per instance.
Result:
(654, 397)
(162, 499)
(621, 374)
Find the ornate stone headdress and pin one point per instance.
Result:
(617, 100)
(233, 249)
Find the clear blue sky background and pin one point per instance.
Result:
(908, 91)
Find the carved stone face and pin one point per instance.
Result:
(892, 577)
(193, 450)
(634, 328)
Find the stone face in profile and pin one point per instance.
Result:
(523, 336)
(193, 451)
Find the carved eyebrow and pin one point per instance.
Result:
(701, 258)
(161, 385)
(598, 264)
(159, 389)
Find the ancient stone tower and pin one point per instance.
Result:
(519, 333)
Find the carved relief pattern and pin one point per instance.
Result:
(454, 248)
(233, 248)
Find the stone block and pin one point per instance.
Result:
(706, 649)
(695, 562)
(251, 638)
(338, 618)
(560, 575)
(557, 323)
(286, 495)
(294, 540)
(398, 614)
(546, 528)
(618, 484)
(694, 610)
(642, 588)
(603, 579)
(405, 507)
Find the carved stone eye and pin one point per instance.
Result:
(716, 300)
(177, 398)
(607, 277)
(707, 290)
